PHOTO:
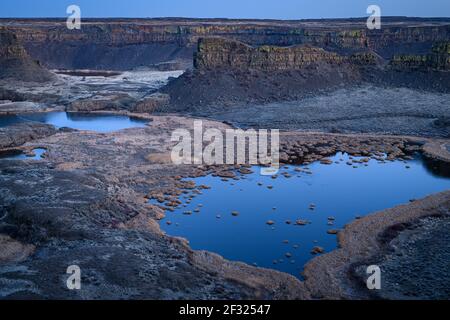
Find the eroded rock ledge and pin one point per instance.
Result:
(15, 63)
(18, 134)
(364, 242)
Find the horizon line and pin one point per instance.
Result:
(223, 18)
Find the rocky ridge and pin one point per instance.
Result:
(437, 60)
(221, 53)
(15, 63)
(229, 72)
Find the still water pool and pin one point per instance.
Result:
(79, 121)
(38, 154)
(325, 197)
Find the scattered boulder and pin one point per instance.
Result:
(326, 161)
(317, 250)
(301, 222)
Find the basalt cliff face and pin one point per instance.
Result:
(220, 53)
(438, 59)
(15, 63)
(229, 72)
(129, 43)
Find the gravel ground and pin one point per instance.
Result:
(366, 109)
(419, 266)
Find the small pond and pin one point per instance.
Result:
(79, 121)
(320, 197)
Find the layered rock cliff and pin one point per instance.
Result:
(215, 53)
(229, 72)
(220, 53)
(15, 63)
(128, 43)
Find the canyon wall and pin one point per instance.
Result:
(15, 63)
(129, 43)
(221, 53)
(437, 60)
(229, 72)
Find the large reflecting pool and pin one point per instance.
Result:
(275, 223)
(79, 121)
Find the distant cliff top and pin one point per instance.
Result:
(15, 63)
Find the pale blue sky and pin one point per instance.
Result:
(272, 9)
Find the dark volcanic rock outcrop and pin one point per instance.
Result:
(11, 95)
(437, 60)
(229, 72)
(17, 134)
(15, 63)
(217, 53)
